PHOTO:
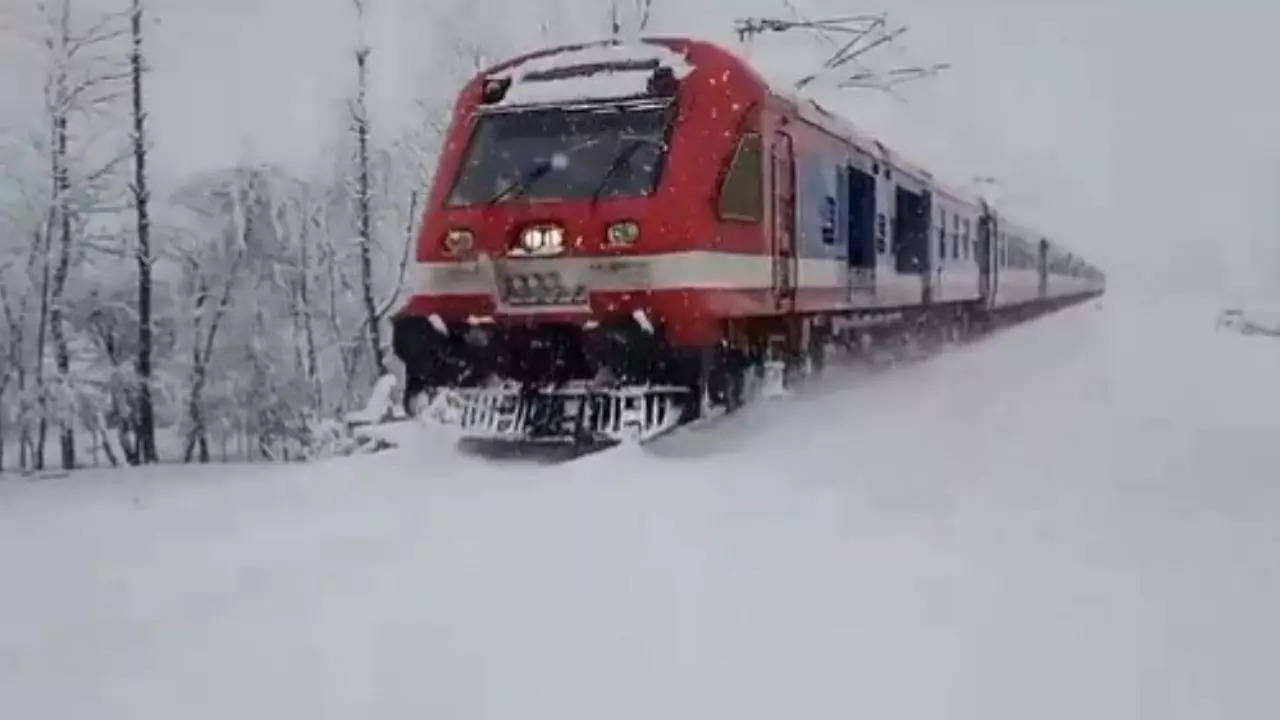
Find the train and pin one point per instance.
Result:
(623, 237)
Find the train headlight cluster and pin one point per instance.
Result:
(542, 240)
(459, 242)
(624, 233)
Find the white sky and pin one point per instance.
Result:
(1138, 131)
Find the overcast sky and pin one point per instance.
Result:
(1141, 132)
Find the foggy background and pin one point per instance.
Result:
(1140, 133)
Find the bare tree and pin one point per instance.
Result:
(78, 83)
(364, 196)
(644, 8)
(26, 217)
(145, 411)
(639, 21)
(212, 302)
(61, 207)
(9, 361)
(309, 225)
(14, 363)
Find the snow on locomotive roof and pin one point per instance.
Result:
(589, 72)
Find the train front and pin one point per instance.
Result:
(556, 298)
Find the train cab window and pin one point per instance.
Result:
(560, 154)
(881, 244)
(966, 239)
(742, 194)
(955, 237)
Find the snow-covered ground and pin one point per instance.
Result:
(1074, 519)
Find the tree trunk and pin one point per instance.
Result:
(335, 320)
(198, 437)
(24, 430)
(42, 329)
(144, 421)
(17, 355)
(197, 375)
(62, 357)
(2, 428)
(12, 364)
(62, 206)
(308, 329)
(364, 202)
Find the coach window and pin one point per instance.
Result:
(966, 238)
(881, 245)
(829, 220)
(942, 234)
(742, 196)
(955, 237)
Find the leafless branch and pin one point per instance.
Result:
(68, 100)
(645, 7)
(99, 33)
(404, 258)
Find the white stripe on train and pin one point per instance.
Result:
(709, 270)
(696, 269)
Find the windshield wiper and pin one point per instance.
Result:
(519, 186)
(618, 161)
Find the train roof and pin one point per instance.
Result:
(608, 69)
(624, 66)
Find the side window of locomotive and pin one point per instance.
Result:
(742, 194)
(829, 220)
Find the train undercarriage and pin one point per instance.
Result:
(599, 385)
(564, 383)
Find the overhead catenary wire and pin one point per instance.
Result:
(868, 33)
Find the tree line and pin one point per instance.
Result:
(229, 316)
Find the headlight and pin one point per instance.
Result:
(542, 240)
(459, 242)
(624, 233)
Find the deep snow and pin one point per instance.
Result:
(1073, 519)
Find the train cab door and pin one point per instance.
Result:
(784, 221)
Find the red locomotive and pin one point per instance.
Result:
(620, 237)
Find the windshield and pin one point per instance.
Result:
(557, 154)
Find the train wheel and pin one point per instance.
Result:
(723, 379)
(816, 350)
